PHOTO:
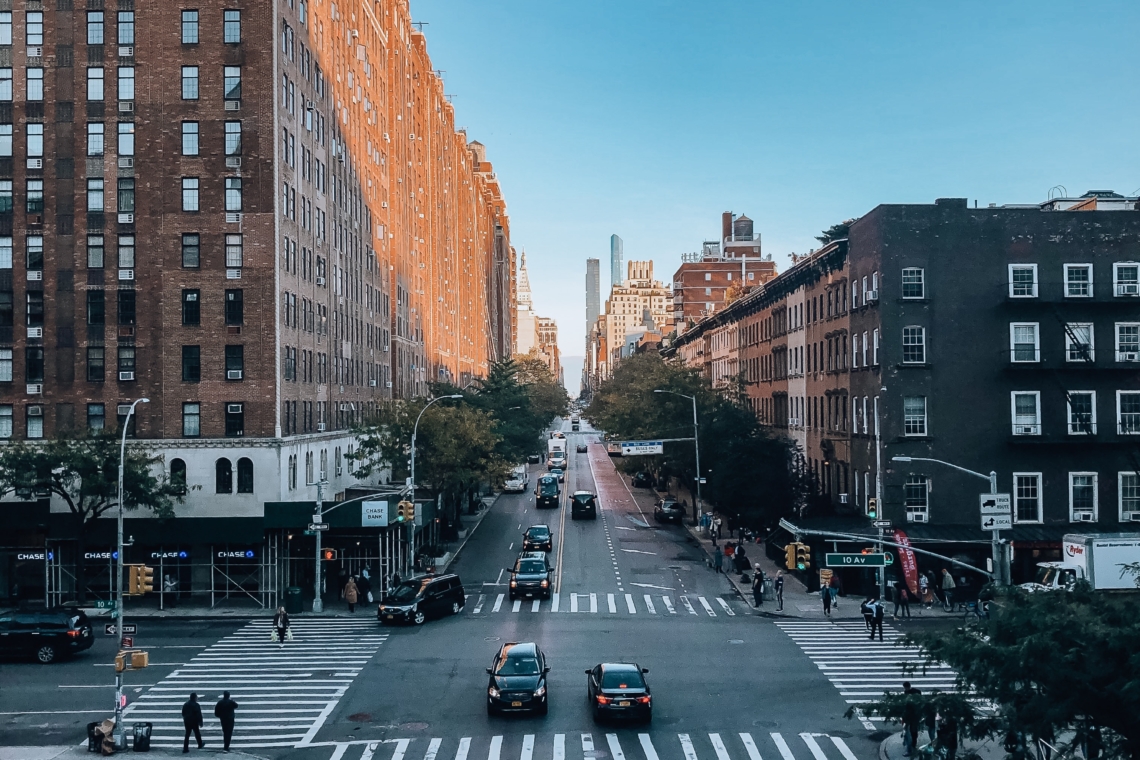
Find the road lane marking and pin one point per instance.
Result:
(624, 527)
(554, 602)
(338, 753)
(813, 745)
(401, 748)
(496, 748)
(587, 743)
(650, 585)
(718, 745)
(647, 747)
(726, 607)
(479, 604)
(785, 750)
(559, 747)
(649, 605)
(687, 747)
(638, 551)
(512, 546)
(369, 750)
(527, 747)
(573, 602)
(611, 603)
(517, 605)
(433, 749)
(498, 603)
(843, 748)
(750, 747)
(593, 603)
(499, 580)
(668, 605)
(463, 749)
(708, 607)
(615, 747)
(629, 604)
(685, 601)
(535, 605)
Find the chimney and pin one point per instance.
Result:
(725, 226)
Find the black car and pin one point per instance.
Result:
(583, 504)
(538, 538)
(642, 480)
(580, 448)
(530, 577)
(517, 680)
(534, 458)
(416, 601)
(547, 492)
(46, 635)
(619, 690)
(668, 510)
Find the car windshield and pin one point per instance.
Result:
(548, 486)
(405, 592)
(539, 533)
(622, 679)
(531, 566)
(518, 666)
(584, 498)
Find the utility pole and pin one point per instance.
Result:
(318, 603)
(412, 480)
(882, 571)
(120, 730)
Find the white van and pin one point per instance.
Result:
(517, 481)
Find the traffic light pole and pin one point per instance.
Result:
(318, 603)
(120, 730)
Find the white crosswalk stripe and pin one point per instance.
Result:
(649, 746)
(284, 693)
(611, 604)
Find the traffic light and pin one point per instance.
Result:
(133, 583)
(404, 511)
(146, 579)
(328, 554)
(873, 509)
(411, 511)
(803, 557)
(790, 556)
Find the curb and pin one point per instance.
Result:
(883, 746)
(470, 533)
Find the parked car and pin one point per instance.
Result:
(668, 510)
(538, 538)
(583, 504)
(619, 690)
(534, 458)
(46, 635)
(416, 601)
(580, 448)
(642, 480)
(517, 680)
(530, 577)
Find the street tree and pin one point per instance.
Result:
(82, 471)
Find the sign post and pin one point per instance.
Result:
(996, 511)
(875, 559)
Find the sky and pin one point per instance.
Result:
(649, 118)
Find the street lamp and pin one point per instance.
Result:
(996, 534)
(696, 446)
(412, 479)
(120, 730)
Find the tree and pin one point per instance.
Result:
(1057, 664)
(82, 471)
(835, 232)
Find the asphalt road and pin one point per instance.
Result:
(727, 684)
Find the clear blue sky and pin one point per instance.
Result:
(649, 118)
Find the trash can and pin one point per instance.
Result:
(293, 600)
(94, 739)
(142, 737)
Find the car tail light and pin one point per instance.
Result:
(73, 633)
(643, 700)
(602, 700)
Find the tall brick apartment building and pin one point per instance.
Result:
(261, 217)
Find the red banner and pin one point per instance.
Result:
(910, 566)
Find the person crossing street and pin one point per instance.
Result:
(224, 711)
(878, 611)
(281, 626)
(192, 722)
(351, 593)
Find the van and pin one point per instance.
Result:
(517, 481)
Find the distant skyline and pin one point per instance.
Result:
(648, 119)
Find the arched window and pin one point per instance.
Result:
(245, 475)
(224, 476)
(309, 468)
(178, 474)
(292, 472)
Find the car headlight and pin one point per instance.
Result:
(492, 692)
(545, 584)
(541, 691)
(514, 584)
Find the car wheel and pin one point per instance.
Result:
(455, 608)
(46, 654)
(419, 617)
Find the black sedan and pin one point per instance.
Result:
(580, 448)
(619, 690)
(517, 680)
(538, 538)
(642, 480)
(534, 458)
(668, 510)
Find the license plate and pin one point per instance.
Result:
(391, 617)
(516, 704)
(623, 704)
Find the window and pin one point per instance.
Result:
(96, 307)
(235, 307)
(35, 420)
(126, 27)
(191, 250)
(1024, 342)
(126, 362)
(191, 308)
(1022, 280)
(191, 364)
(5, 255)
(189, 193)
(913, 283)
(189, 82)
(35, 134)
(1128, 487)
(223, 476)
(875, 347)
(6, 84)
(94, 27)
(1078, 342)
(35, 198)
(6, 134)
(126, 199)
(5, 420)
(234, 254)
(190, 33)
(1027, 497)
(35, 28)
(34, 364)
(189, 138)
(96, 364)
(1078, 280)
(6, 364)
(96, 416)
(235, 362)
(1026, 408)
(914, 345)
(232, 77)
(235, 420)
(191, 420)
(1082, 412)
(6, 28)
(1128, 412)
(1127, 341)
(94, 83)
(1126, 279)
(95, 200)
(916, 495)
(245, 475)
(126, 146)
(233, 138)
(231, 28)
(708, 276)
(126, 307)
(233, 194)
(1082, 496)
(178, 470)
(126, 250)
(35, 83)
(35, 252)
(35, 304)
(95, 138)
(914, 415)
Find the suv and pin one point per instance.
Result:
(538, 538)
(546, 492)
(416, 601)
(517, 680)
(530, 577)
(668, 510)
(583, 504)
(45, 634)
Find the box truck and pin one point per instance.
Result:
(1102, 560)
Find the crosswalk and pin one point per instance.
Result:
(863, 670)
(625, 745)
(608, 604)
(284, 693)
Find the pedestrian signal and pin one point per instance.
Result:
(328, 554)
(873, 509)
(790, 556)
(803, 557)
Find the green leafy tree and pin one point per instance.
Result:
(83, 472)
(835, 232)
(1062, 667)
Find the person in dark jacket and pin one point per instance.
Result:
(779, 586)
(224, 712)
(910, 719)
(878, 611)
(758, 588)
(281, 625)
(192, 722)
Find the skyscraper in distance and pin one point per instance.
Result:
(617, 262)
(593, 293)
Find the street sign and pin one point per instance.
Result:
(109, 629)
(309, 532)
(882, 523)
(375, 513)
(856, 560)
(318, 526)
(128, 641)
(130, 629)
(997, 522)
(995, 503)
(641, 448)
(104, 604)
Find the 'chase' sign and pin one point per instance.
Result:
(100, 555)
(33, 556)
(248, 554)
(170, 555)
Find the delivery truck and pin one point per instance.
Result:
(1103, 560)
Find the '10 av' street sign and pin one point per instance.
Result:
(858, 560)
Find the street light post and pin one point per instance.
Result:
(318, 602)
(696, 446)
(120, 730)
(412, 468)
(1000, 573)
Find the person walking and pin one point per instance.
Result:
(833, 585)
(224, 712)
(896, 593)
(924, 593)
(878, 611)
(281, 626)
(868, 611)
(948, 587)
(904, 598)
(365, 585)
(910, 719)
(192, 722)
(718, 560)
(351, 593)
(779, 586)
(741, 556)
(730, 555)
(169, 591)
(758, 588)
(825, 595)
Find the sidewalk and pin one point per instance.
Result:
(891, 748)
(71, 752)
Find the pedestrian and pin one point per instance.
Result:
(351, 593)
(758, 588)
(729, 555)
(878, 611)
(224, 712)
(779, 586)
(904, 598)
(896, 599)
(948, 587)
(910, 719)
(742, 561)
(718, 560)
(281, 626)
(192, 722)
(924, 594)
(169, 590)
(825, 595)
(833, 586)
(868, 611)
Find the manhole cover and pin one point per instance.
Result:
(490, 638)
(736, 641)
(360, 718)
(414, 726)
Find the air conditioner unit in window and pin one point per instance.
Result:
(321, 281)
(233, 105)
(320, 427)
(126, 162)
(126, 274)
(126, 376)
(916, 516)
(35, 332)
(126, 218)
(1132, 516)
(233, 374)
(233, 274)
(1127, 289)
(126, 51)
(35, 163)
(126, 106)
(1025, 430)
(873, 295)
(35, 389)
(233, 162)
(233, 408)
(388, 384)
(1083, 516)
(842, 498)
(233, 217)
(35, 275)
(372, 383)
(35, 52)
